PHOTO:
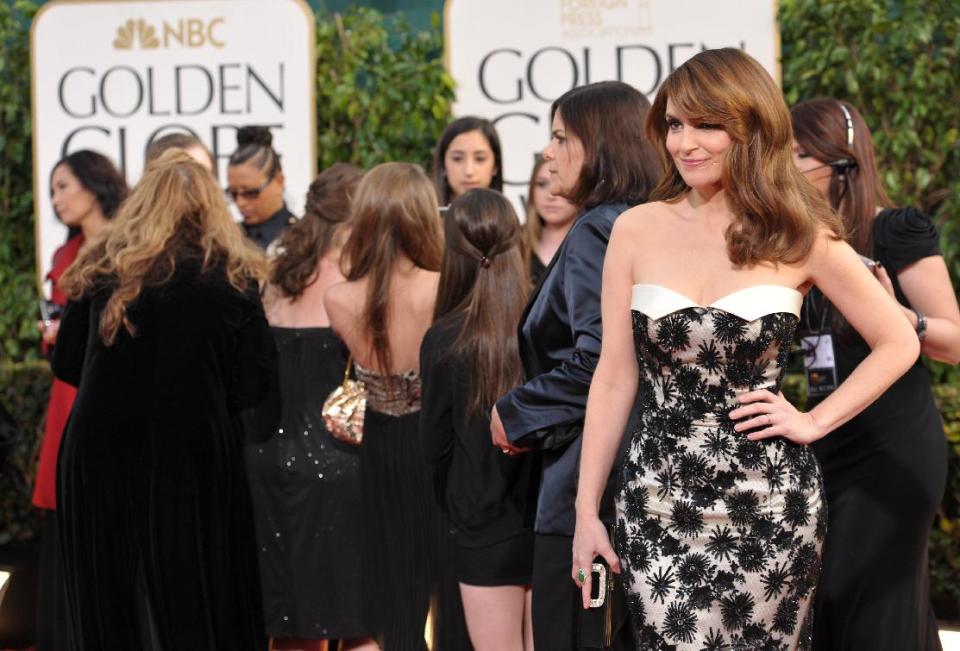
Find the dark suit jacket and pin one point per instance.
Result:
(560, 345)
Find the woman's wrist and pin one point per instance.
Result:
(587, 508)
(818, 430)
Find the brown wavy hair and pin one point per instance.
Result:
(777, 212)
(820, 128)
(176, 209)
(394, 214)
(304, 244)
(483, 280)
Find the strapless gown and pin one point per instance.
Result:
(719, 536)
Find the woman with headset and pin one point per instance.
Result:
(884, 471)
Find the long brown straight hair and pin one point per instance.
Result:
(483, 280)
(820, 129)
(777, 213)
(394, 214)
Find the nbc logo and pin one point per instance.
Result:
(186, 32)
(134, 30)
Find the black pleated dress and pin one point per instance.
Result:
(884, 475)
(405, 563)
(306, 496)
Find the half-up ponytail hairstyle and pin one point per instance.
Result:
(483, 280)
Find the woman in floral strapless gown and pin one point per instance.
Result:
(720, 515)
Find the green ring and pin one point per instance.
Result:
(581, 576)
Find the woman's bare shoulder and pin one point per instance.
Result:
(343, 297)
(645, 221)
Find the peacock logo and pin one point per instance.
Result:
(132, 31)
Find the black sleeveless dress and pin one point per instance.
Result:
(306, 496)
(884, 474)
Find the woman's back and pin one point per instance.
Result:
(181, 356)
(412, 296)
(396, 486)
(153, 432)
(308, 309)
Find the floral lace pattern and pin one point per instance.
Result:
(719, 536)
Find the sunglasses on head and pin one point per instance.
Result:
(233, 193)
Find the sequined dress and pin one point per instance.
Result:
(719, 536)
(306, 496)
(402, 534)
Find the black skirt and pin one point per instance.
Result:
(401, 545)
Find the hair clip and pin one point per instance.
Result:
(485, 261)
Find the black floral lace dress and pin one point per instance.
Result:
(719, 536)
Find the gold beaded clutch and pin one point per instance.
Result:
(344, 408)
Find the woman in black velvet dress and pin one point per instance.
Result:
(167, 344)
(884, 471)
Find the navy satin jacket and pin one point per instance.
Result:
(560, 345)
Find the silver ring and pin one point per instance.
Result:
(581, 576)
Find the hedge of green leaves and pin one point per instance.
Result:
(18, 288)
(24, 388)
(382, 91)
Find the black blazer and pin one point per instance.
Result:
(560, 345)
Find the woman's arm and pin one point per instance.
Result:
(836, 269)
(559, 396)
(611, 397)
(926, 284)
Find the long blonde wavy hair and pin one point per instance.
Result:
(176, 208)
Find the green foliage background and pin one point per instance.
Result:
(18, 299)
(382, 94)
(382, 91)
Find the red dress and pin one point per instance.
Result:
(61, 393)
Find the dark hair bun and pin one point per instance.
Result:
(254, 135)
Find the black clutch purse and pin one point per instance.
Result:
(606, 621)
